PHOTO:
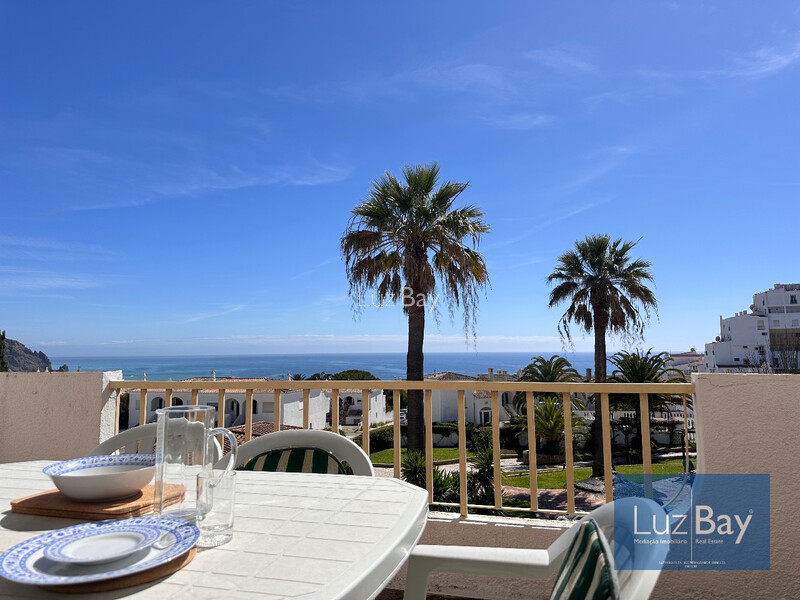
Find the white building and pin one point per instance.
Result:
(478, 407)
(687, 362)
(766, 338)
(319, 405)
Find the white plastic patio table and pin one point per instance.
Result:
(295, 536)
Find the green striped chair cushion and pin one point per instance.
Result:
(298, 460)
(588, 568)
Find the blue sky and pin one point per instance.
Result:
(175, 177)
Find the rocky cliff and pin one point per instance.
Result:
(22, 358)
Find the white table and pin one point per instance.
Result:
(295, 536)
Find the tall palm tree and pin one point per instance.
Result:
(607, 291)
(553, 369)
(407, 241)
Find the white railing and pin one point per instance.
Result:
(252, 387)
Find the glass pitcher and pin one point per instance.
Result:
(185, 446)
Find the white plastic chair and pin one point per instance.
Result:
(139, 440)
(136, 440)
(519, 563)
(337, 445)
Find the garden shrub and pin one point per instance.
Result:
(381, 438)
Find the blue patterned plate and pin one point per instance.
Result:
(26, 562)
(97, 543)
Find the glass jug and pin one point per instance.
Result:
(185, 446)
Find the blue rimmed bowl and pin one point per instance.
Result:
(102, 478)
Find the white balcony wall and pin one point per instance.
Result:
(55, 415)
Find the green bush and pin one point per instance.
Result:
(446, 486)
(381, 438)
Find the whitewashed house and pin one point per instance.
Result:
(353, 409)
(766, 338)
(319, 405)
(478, 405)
(234, 404)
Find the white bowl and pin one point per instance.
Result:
(102, 478)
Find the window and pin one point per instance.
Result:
(735, 360)
(744, 346)
(795, 322)
(760, 324)
(776, 323)
(793, 299)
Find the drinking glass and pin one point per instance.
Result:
(216, 491)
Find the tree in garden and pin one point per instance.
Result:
(549, 422)
(553, 369)
(639, 367)
(3, 362)
(407, 242)
(607, 291)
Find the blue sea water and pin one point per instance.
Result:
(382, 365)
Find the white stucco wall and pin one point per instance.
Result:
(55, 415)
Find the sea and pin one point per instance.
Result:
(383, 365)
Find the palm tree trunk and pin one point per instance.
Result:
(414, 372)
(598, 426)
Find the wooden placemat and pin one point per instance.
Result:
(53, 503)
(168, 568)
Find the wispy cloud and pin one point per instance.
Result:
(520, 121)
(214, 314)
(318, 267)
(511, 263)
(603, 162)
(764, 62)
(315, 174)
(568, 213)
(49, 250)
(565, 61)
(477, 78)
(142, 185)
(761, 63)
(473, 80)
(16, 281)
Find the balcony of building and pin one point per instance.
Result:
(744, 423)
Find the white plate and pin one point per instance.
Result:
(97, 543)
(26, 563)
(102, 478)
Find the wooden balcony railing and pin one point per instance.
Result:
(565, 390)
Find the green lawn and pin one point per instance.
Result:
(547, 480)
(387, 456)
(557, 479)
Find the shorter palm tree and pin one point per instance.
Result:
(638, 367)
(549, 422)
(554, 369)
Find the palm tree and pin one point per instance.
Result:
(549, 422)
(553, 369)
(638, 367)
(406, 241)
(607, 292)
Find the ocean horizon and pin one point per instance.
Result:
(389, 365)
